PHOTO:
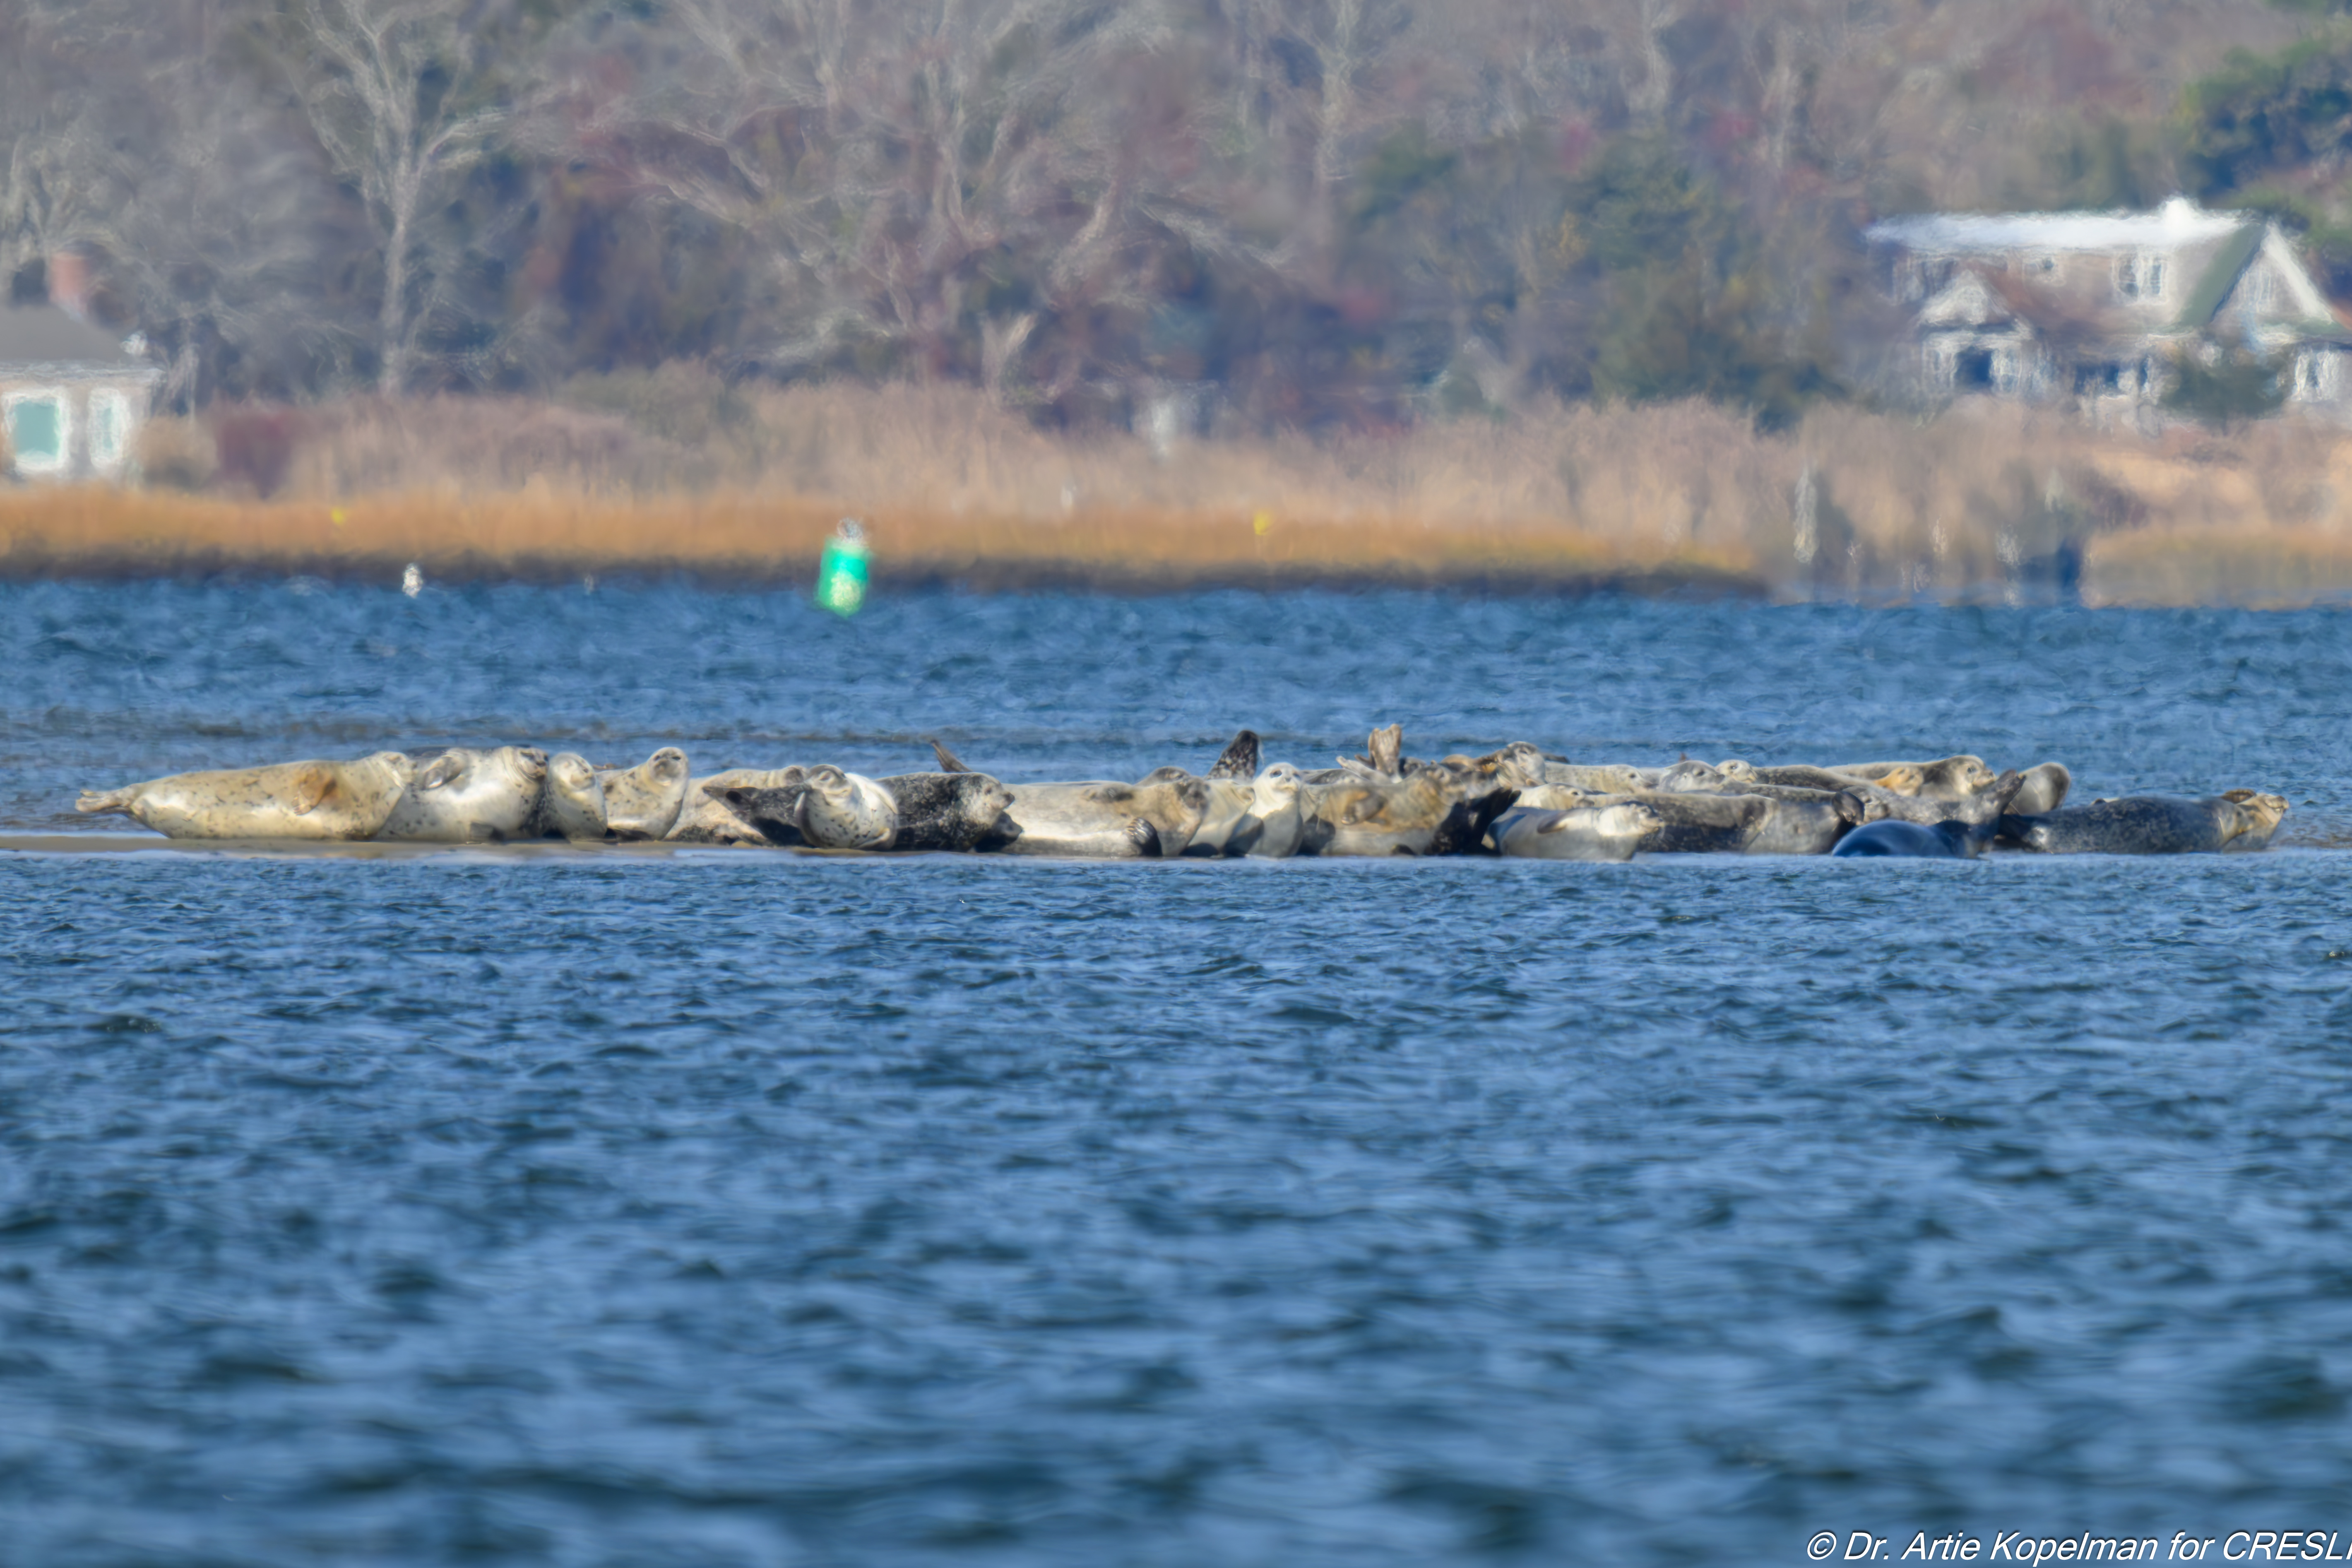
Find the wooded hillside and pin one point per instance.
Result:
(1241, 215)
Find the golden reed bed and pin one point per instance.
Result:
(674, 471)
(736, 538)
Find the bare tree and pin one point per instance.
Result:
(402, 94)
(914, 171)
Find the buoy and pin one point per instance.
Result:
(841, 574)
(411, 582)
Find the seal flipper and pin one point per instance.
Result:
(106, 800)
(312, 786)
(949, 762)
(1387, 749)
(444, 769)
(1145, 837)
(1238, 761)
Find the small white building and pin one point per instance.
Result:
(72, 397)
(2096, 306)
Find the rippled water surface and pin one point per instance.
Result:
(763, 1209)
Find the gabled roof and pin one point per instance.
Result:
(2220, 277)
(44, 335)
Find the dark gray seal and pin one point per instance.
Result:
(1910, 841)
(2151, 824)
(939, 812)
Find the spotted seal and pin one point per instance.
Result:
(1597, 778)
(286, 800)
(469, 797)
(830, 809)
(704, 818)
(949, 812)
(644, 802)
(2151, 824)
(1369, 817)
(836, 809)
(573, 806)
(1583, 833)
(1101, 819)
(1686, 824)
(1901, 779)
(1948, 778)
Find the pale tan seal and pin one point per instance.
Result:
(707, 819)
(1102, 819)
(287, 800)
(573, 805)
(1602, 833)
(2046, 785)
(1276, 822)
(644, 802)
(469, 797)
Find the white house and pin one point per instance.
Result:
(72, 396)
(2097, 305)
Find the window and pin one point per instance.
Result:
(109, 430)
(2140, 277)
(1972, 370)
(38, 430)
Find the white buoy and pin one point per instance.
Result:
(411, 582)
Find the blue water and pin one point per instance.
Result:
(765, 1209)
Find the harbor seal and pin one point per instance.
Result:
(1597, 778)
(936, 811)
(1910, 841)
(1951, 778)
(2046, 785)
(1583, 833)
(469, 797)
(841, 810)
(2151, 824)
(644, 802)
(1926, 811)
(704, 818)
(1237, 763)
(1101, 819)
(1686, 824)
(1810, 827)
(950, 812)
(1903, 779)
(573, 806)
(1367, 817)
(286, 800)
(1279, 821)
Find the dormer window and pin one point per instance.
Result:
(2140, 276)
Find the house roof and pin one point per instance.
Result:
(44, 335)
(2177, 222)
(2221, 275)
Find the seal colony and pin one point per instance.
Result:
(1518, 802)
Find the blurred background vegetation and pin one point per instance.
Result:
(1181, 217)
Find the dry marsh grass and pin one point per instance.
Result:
(673, 469)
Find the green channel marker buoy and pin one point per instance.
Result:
(841, 575)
